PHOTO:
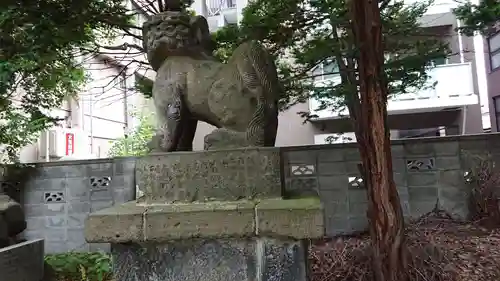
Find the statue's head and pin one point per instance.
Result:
(175, 33)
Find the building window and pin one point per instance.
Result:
(419, 133)
(496, 103)
(216, 6)
(494, 51)
(122, 80)
(330, 69)
(324, 71)
(439, 61)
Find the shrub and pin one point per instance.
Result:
(484, 178)
(76, 266)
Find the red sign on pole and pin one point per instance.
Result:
(70, 143)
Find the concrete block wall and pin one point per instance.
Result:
(60, 195)
(427, 171)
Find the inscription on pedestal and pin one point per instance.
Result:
(211, 260)
(210, 175)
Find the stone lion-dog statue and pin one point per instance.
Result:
(239, 97)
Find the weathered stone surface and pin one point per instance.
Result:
(12, 220)
(211, 260)
(135, 222)
(283, 260)
(296, 218)
(224, 139)
(121, 223)
(192, 86)
(210, 175)
(22, 262)
(131, 222)
(212, 219)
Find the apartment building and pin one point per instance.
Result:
(101, 112)
(452, 108)
(91, 122)
(492, 67)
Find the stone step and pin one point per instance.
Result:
(136, 222)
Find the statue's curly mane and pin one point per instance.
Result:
(173, 32)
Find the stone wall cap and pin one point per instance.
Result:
(300, 218)
(22, 244)
(310, 203)
(200, 206)
(135, 222)
(128, 208)
(198, 152)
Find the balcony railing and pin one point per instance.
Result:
(438, 7)
(454, 88)
(215, 7)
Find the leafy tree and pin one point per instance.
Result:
(478, 17)
(136, 142)
(385, 215)
(39, 67)
(305, 34)
(144, 85)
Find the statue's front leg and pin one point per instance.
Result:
(176, 116)
(188, 132)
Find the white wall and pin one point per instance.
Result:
(102, 112)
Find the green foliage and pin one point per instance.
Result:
(480, 17)
(38, 65)
(227, 39)
(75, 266)
(302, 35)
(135, 143)
(144, 86)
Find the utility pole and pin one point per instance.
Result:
(384, 210)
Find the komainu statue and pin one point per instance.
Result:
(12, 220)
(239, 98)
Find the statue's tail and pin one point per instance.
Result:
(265, 69)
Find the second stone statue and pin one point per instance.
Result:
(240, 97)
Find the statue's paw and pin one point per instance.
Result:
(224, 139)
(155, 144)
(160, 143)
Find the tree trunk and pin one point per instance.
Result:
(384, 210)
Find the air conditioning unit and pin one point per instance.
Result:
(61, 142)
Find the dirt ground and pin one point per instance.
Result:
(439, 249)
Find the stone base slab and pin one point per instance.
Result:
(212, 260)
(135, 222)
(23, 261)
(218, 175)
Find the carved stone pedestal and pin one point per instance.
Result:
(211, 260)
(211, 215)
